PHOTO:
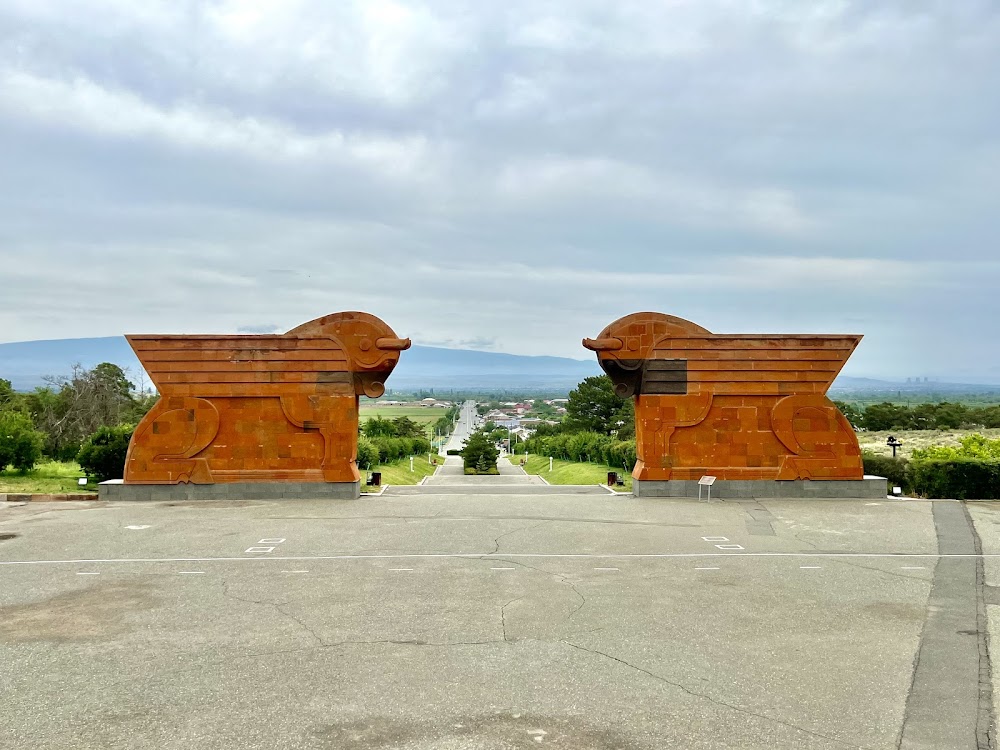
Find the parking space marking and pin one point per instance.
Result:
(137, 527)
(87, 573)
(707, 568)
(192, 572)
(715, 538)
(810, 567)
(503, 568)
(295, 571)
(605, 568)
(400, 570)
(259, 549)
(912, 567)
(729, 546)
(270, 541)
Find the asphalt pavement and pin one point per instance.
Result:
(498, 619)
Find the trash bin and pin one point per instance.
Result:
(612, 478)
(376, 479)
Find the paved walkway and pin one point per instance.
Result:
(452, 473)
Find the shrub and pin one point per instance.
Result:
(959, 478)
(974, 446)
(103, 454)
(367, 453)
(20, 444)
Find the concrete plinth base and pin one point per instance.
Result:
(870, 487)
(118, 490)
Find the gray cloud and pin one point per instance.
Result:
(511, 176)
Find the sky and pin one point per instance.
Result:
(508, 176)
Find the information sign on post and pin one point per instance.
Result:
(706, 481)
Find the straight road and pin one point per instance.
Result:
(465, 426)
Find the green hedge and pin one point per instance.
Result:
(959, 478)
(935, 478)
(896, 470)
(585, 446)
(381, 449)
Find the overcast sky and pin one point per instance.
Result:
(507, 175)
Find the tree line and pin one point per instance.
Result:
(89, 416)
(941, 416)
(60, 420)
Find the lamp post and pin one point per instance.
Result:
(893, 443)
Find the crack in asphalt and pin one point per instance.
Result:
(305, 627)
(278, 606)
(712, 700)
(879, 570)
(496, 541)
(563, 578)
(503, 618)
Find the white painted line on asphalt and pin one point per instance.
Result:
(912, 567)
(400, 570)
(88, 574)
(707, 568)
(137, 527)
(873, 503)
(605, 568)
(270, 541)
(715, 538)
(295, 571)
(259, 549)
(192, 572)
(810, 567)
(503, 568)
(505, 555)
(729, 546)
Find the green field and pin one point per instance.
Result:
(875, 441)
(398, 472)
(424, 415)
(50, 478)
(571, 472)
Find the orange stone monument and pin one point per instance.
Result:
(268, 415)
(747, 409)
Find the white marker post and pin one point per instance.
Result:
(411, 463)
(550, 463)
(706, 481)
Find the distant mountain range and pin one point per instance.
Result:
(26, 363)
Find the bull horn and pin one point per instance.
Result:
(603, 345)
(387, 344)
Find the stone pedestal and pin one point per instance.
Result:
(116, 489)
(869, 488)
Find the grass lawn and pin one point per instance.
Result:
(875, 441)
(571, 472)
(423, 415)
(398, 472)
(50, 477)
